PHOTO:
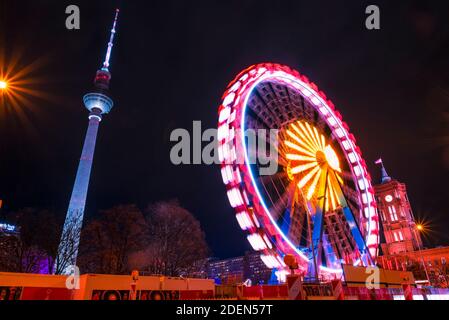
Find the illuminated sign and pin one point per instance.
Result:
(7, 227)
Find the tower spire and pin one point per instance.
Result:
(111, 42)
(385, 177)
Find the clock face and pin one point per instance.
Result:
(388, 198)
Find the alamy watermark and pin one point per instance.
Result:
(73, 278)
(372, 22)
(214, 146)
(73, 21)
(373, 278)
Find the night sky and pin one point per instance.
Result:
(171, 64)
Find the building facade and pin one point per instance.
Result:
(403, 247)
(238, 270)
(399, 226)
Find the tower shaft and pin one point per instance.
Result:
(79, 193)
(68, 248)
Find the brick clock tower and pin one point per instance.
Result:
(398, 222)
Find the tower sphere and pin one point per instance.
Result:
(98, 101)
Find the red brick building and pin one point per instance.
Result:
(403, 248)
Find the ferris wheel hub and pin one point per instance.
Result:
(332, 158)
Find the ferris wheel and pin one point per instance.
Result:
(318, 204)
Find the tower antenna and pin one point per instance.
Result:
(111, 42)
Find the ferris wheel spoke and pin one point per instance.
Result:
(282, 159)
(320, 138)
(298, 230)
(313, 185)
(318, 220)
(307, 136)
(301, 138)
(304, 137)
(261, 97)
(323, 141)
(289, 213)
(299, 149)
(313, 135)
(331, 195)
(308, 177)
(333, 139)
(304, 167)
(320, 123)
(268, 179)
(350, 194)
(255, 122)
(266, 139)
(278, 207)
(346, 175)
(276, 150)
(282, 162)
(297, 157)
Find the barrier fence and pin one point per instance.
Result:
(332, 292)
(109, 287)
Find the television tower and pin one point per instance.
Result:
(98, 102)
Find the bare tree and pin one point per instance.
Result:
(30, 249)
(176, 241)
(107, 242)
(49, 237)
(10, 253)
(67, 246)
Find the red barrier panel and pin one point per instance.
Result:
(274, 291)
(408, 292)
(383, 294)
(364, 294)
(265, 292)
(46, 294)
(295, 289)
(251, 292)
(337, 287)
(196, 295)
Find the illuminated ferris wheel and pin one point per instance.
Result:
(318, 205)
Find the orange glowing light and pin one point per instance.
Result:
(420, 227)
(21, 89)
(311, 160)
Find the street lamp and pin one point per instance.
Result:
(18, 82)
(3, 85)
(420, 228)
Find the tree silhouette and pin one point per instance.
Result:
(67, 245)
(33, 248)
(175, 241)
(107, 242)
